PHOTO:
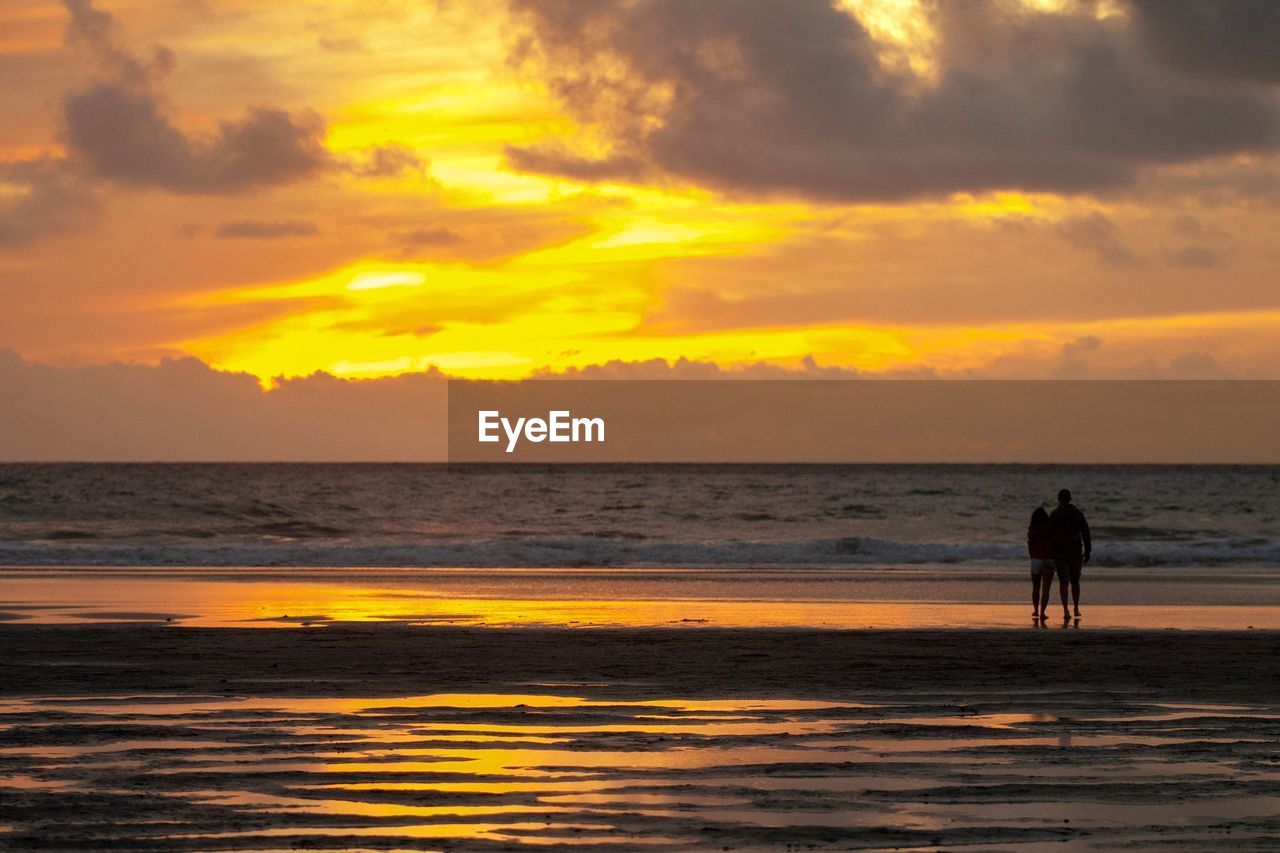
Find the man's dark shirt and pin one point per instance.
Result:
(1070, 531)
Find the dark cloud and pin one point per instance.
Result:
(437, 236)
(1195, 257)
(1098, 234)
(122, 131)
(256, 229)
(40, 198)
(1236, 38)
(124, 136)
(388, 161)
(558, 160)
(1220, 183)
(419, 239)
(795, 96)
(100, 32)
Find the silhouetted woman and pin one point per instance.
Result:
(1040, 547)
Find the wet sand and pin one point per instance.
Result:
(393, 659)
(932, 597)
(396, 736)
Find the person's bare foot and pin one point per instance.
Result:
(1077, 612)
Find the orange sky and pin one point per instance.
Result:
(501, 189)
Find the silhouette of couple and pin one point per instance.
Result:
(1058, 543)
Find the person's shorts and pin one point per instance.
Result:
(1042, 567)
(1069, 568)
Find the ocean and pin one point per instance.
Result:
(624, 516)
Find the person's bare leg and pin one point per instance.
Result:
(1035, 596)
(1075, 595)
(1045, 588)
(1063, 591)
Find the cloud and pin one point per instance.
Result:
(388, 161)
(1186, 225)
(1197, 365)
(793, 96)
(419, 239)
(40, 198)
(1195, 257)
(687, 368)
(342, 44)
(437, 236)
(261, 229)
(1220, 182)
(181, 409)
(100, 32)
(1235, 38)
(1096, 233)
(121, 130)
(123, 136)
(1073, 364)
(1072, 350)
(556, 159)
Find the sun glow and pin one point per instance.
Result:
(380, 280)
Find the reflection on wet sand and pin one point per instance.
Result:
(497, 771)
(292, 598)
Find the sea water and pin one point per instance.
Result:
(623, 516)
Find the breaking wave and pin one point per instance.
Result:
(390, 515)
(616, 551)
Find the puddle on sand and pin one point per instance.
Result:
(310, 599)
(507, 770)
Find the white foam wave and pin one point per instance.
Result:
(592, 551)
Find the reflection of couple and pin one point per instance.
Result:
(1058, 542)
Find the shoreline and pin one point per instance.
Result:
(910, 598)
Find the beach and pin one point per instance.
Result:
(639, 425)
(378, 735)
(937, 596)
(681, 658)
(397, 660)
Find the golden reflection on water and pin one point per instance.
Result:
(648, 772)
(64, 597)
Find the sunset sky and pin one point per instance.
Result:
(507, 188)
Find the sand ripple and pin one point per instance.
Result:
(492, 772)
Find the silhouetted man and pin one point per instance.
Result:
(1071, 548)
